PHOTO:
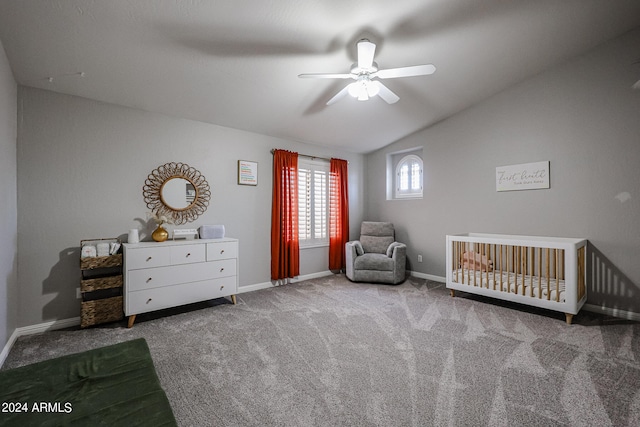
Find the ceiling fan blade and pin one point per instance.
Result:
(416, 70)
(386, 93)
(338, 95)
(326, 76)
(366, 50)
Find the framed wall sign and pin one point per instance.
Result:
(526, 176)
(247, 172)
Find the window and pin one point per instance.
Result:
(313, 203)
(408, 178)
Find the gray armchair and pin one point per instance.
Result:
(376, 257)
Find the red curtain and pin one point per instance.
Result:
(338, 214)
(285, 247)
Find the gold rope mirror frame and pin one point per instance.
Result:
(197, 194)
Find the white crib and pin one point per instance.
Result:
(545, 272)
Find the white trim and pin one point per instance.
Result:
(36, 329)
(622, 314)
(7, 347)
(266, 285)
(312, 276)
(48, 326)
(254, 287)
(428, 276)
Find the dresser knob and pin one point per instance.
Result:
(149, 259)
(149, 300)
(149, 279)
(222, 251)
(222, 287)
(221, 270)
(189, 254)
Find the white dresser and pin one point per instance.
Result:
(173, 273)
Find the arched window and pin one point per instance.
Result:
(409, 177)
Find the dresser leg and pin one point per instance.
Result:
(132, 319)
(233, 299)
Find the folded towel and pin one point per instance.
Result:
(88, 251)
(103, 249)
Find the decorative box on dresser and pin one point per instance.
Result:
(173, 273)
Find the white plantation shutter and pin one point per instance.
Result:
(304, 204)
(313, 202)
(320, 204)
(409, 177)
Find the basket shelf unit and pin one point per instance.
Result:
(101, 287)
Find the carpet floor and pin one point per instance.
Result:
(328, 352)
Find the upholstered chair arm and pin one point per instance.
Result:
(351, 252)
(392, 248)
(399, 256)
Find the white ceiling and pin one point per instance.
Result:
(235, 63)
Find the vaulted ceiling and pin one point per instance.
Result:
(235, 62)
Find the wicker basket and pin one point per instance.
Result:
(90, 285)
(101, 262)
(101, 311)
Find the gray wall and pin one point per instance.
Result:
(8, 201)
(81, 168)
(584, 118)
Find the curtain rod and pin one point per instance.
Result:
(307, 155)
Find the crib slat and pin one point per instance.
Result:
(529, 253)
(468, 271)
(475, 249)
(501, 288)
(486, 253)
(539, 273)
(548, 262)
(509, 267)
(455, 263)
(558, 275)
(493, 245)
(523, 255)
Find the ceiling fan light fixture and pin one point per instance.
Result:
(372, 88)
(363, 89)
(354, 89)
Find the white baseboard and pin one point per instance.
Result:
(622, 314)
(7, 347)
(265, 285)
(255, 287)
(36, 329)
(428, 276)
(311, 276)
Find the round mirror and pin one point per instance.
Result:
(177, 191)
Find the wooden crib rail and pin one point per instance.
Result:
(526, 270)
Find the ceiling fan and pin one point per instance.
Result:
(365, 71)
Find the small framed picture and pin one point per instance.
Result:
(247, 172)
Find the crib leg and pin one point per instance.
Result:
(569, 318)
(452, 292)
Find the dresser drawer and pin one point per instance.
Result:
(223, 268)
(186, 254)
(171, 296)
(222, 250)
(147, 257)
(147, 278)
